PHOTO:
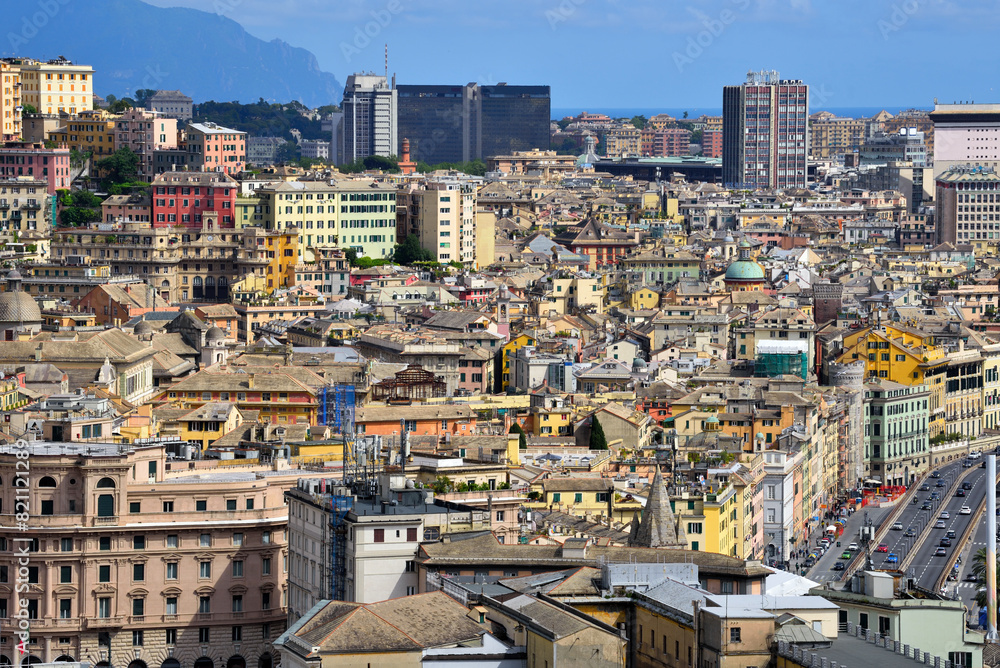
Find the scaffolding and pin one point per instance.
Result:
(779, 358)
(336, 408)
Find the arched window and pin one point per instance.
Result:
(47, 481)
(171, 663)
(236, 661)
(105, 483)
(204, 662)
(65, 658)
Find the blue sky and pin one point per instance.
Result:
(649, 53)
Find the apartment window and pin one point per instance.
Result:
(171, 637)
(138, 542)
(230, 504)
(134, 506)
(265, 600)
(172, 540)
(265, 538)
(238, 603)
(138, 607)
(104, 573)
(500, 516)
(172, 571)
(238, 568)
(237, 633)
(172, 605)
(411, 534)
(237, 539)
(138, 572)
(204, 634)
(249, 504)
(66, 545)
(105, 542)
(65, 608)
(204, 569)
(137, 638)
(48, 507)
(65, 574)
(379, 535)
(168, 506)
(104, 607)
(201, 506)
(204, 605)
(265, 566)
(734, 634)
(205, 540)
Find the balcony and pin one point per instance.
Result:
(105, 622)
(32, 206)
(105, 521)
(4, 205)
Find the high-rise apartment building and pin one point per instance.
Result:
(622, 140)
(10, 102)
(833, 136)
(369, 123)
(443, 217)
(213, 148)
(963, 203)
(765, 132)
(966, 135)
(56, 86)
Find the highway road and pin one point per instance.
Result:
(926, 568)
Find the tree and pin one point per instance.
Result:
(410, 251)
(29, 109)
(287, 152)
(119, 167)
(121, 106)
(685, 114)
(639, 121)
(598, 441)
(327, 109)
(522, 438)
(564, 123)
(352, 256)
(143, 94)
(979, 570)
(442, 485)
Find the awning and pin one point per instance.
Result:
(831, 529)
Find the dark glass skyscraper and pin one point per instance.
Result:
(438, 122)
(513, 118)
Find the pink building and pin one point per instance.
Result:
(144, 132)
(33, 159)
(711, 143)
(213, 148)
(665, 142)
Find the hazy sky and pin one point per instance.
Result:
(649, 53)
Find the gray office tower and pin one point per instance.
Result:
(461, 123)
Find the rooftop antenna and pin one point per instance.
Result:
(387, 61)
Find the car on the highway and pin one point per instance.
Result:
(965, 511)
(839, 566)
(940, 483)
(892, 558)
(897, 526)
(925, 487)
(975, 455)
(945, 515)
(950, 534)
(882, 547)
(910, 532)
(940, 552)
(940, 524)
(971, 577)
(935, 474)
(983, 465)
(927, 506)
(934, 496)
(960, 492)
(944, 542)
(967, 464)
(966, 486)
(846, 554)
(853, 547)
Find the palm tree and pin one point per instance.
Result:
(979, 570)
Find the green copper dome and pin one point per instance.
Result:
(745, 270)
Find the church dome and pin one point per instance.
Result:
(16, 306)
(214, 334)
(745, 270)
(143, 328)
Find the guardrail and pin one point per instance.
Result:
(968, 533)
(922, 536)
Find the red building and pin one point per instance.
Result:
(666, 142)
(180, 198)
(24, 158)
(711, 143)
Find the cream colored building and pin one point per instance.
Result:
(10, 101)
(56, 86)
(622, 140)
(358, 214)
(835, 136)
(445, 221)
(133, 565)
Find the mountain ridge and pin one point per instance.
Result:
(133, 45)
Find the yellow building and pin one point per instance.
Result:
(551, 421)
(89, 132)
(644, 298)
(571, 291)
(203, 425)
(10, 102)
(10, 394)
(509, 349)
(57, 86)
(581, 496)
(248, 212)
(623, 140)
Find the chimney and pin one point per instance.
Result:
(250, 381)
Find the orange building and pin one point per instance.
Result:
(422, 420)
